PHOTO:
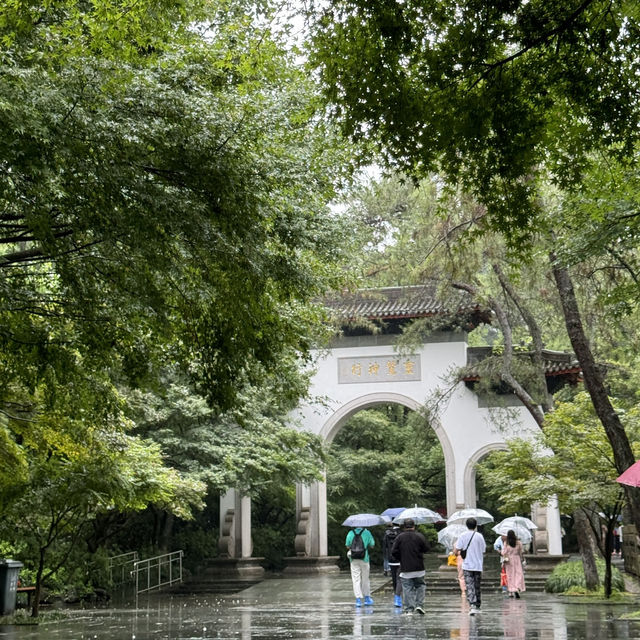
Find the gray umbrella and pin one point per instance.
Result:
(420, 515)
(522, 527)
(364, 520)
(448, 535)
(460, 517)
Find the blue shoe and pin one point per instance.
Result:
(368, 600)
(397, 600)
(358, 602)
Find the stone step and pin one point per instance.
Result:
(222, 587)
(445, 580)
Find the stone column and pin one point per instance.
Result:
(235, 525)
(554, 528)
(318, 496)
(548, 536)
(311, 545)
(235, 544)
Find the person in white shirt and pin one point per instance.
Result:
(472, 546)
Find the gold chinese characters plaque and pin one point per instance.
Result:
(378, 369)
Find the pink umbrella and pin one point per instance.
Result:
(631, 476)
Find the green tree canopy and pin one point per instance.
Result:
(490, 93)
(169, 205)
(165, 174)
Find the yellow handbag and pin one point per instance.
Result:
(451, 560)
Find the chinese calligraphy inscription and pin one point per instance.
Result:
(389, 368)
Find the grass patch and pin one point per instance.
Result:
(570, 575)
(617, 597)
(22, 617)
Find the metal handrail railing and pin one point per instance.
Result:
(122, 561)
(160, 571)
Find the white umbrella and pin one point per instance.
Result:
(364, 520)
(420, 515)
(460, 517)
(522, 533)
(522, 527)
(448, 535)
(519, 521)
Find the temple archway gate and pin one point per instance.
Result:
(361, 371)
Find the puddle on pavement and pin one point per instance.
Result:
(535, 616)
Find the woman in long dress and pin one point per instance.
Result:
(461, 581)
(512, 554)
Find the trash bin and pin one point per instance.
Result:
(9, 572)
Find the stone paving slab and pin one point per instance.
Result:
(322, 608)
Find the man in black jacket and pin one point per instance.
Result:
(408, 549)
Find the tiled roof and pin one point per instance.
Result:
(556, 363)
(396, 303)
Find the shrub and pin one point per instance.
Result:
(571, 574)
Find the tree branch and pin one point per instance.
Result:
(563, 26)
(507, 355)
(536, 336)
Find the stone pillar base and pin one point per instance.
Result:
(234, 568)
(298, 565)
(543, 561)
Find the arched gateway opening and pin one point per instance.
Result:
(363, 368)
(385, 455)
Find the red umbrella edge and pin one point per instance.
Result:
(631, 476)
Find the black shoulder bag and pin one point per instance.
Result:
(463, 552)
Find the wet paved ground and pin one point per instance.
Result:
(322, 607)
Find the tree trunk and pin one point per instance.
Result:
(166, 532)
(35, 606)
(594, 382)
(546, 398)
(506, 375)
(587, 549)
(608, 549)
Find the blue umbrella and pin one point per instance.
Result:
(392, 512)
(364, 520)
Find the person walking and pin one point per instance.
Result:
(409, 549)
(497, 545)
(512, 555)
(617, 541)
(472, 546)
(358, 542)
(461, 580)
(390, 536)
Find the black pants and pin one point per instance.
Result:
(397, 584)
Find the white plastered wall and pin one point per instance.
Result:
(466, 430)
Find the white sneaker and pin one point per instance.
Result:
(419, 610)
(473, 610)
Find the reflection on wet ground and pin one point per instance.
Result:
(322, 607)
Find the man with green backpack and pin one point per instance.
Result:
(358, 542)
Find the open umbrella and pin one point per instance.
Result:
(460, 517)
(521, 526)
(420, 515)
(392, 512)
(631, 476)
(364, 520)
(519, 521)
(522, 533)
(448, 535)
